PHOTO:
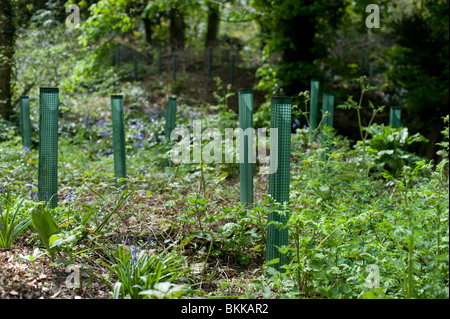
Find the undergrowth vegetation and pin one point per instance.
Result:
(368, 220)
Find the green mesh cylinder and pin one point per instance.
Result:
(246, 145)
(159, 61)
(118, 137)
(25, 125)
(328, 121)
(328, 106)
(313, 108)
(279, 180)
(174, 67)
(232, 69)
(209, 62)
(171, 113)
(48, 145)
(395, 117)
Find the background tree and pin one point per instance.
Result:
(6, 53)
(213, 24)
(292, 31)
(418, 76)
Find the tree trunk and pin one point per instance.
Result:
(176, 29)
(148, 30)
(6, 53)
(213, 25)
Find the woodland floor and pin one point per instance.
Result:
(18, 280)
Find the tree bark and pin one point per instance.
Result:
(176, 29)
(148, 30)
(213, 25)
(6, 54)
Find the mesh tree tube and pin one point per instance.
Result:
(280, 180)
(171, 113)
(313, 108)
(25, 125)
(328, 121)
(328, 106)
(118, 137)
(48, 145)
(395, 117)
(246, 145)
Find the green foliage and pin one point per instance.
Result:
(139, 272)
(298, 51)
(388, 147)
(344, 224)
(445, 134)
(13, 221)
(419, 62)
(45, 224)
(37, 253)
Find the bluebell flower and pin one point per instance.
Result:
(34, 196)
(153, 117)
(296, 123)
(99, 122)
(149, 242)
(133, 253)
(70, 196)
(104, 134)
(138, 144)
(139, 136)
(26, 150)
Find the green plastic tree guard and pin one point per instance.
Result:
(395, 117)
(174, 67)
(233, 58)
(313, 108)
(246, 146)
(48, 145)
(171, 113)
(159, 61)
(25, 126)
(279, 181)
(209, 62)
(327, 106)
(118, 138)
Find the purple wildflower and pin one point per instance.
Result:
(70, 196)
